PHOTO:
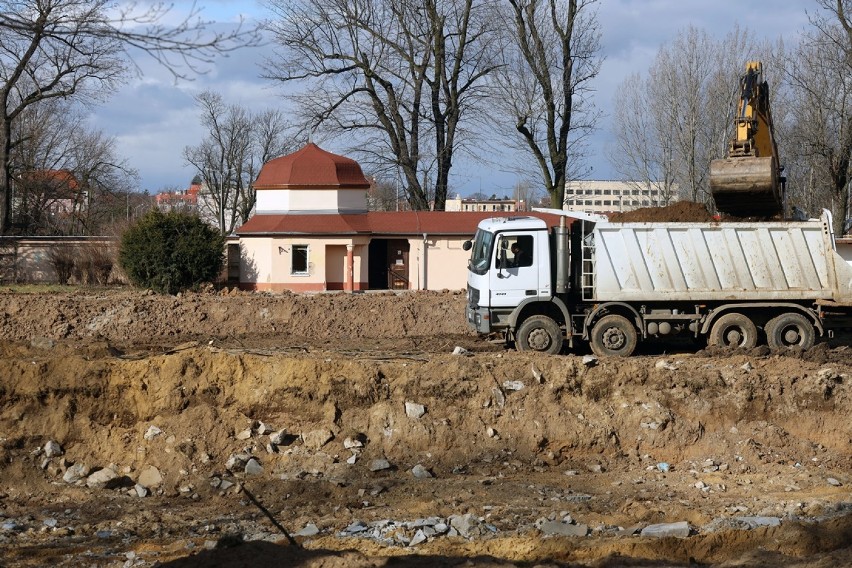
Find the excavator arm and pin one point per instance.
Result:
(749, 182)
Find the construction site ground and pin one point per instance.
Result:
(375, 430)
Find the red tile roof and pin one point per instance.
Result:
(311, 167)
(377, 223)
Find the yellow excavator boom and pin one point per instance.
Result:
(749, 182)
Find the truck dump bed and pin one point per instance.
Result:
(785, 261)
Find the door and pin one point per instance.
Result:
(515, 274)
(398, 250)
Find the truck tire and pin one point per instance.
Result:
(614, 336)
(733, 330)
(539, 333)
(790, 330)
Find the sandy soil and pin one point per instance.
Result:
(518, 447)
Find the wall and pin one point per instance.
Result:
(309, 200)
(28, 259)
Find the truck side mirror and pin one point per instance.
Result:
(467, 245)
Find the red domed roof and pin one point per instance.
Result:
(309, 168)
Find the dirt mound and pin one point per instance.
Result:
(677, 212)
(346, 418)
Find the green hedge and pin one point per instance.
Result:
(171, 252)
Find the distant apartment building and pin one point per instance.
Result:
(602, 196)
(469, 204)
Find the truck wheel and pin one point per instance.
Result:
(733, 330)
(790, 330)
(539, 333)
(614, 336)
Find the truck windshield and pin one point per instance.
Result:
(481, 251)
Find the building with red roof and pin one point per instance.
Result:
(312, 232)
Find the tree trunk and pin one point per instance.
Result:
(5, 176)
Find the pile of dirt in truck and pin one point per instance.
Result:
(234, 429)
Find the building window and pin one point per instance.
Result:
(299, 261)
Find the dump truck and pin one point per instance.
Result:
(749, 181)
(615, 285)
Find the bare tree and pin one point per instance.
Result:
(669, 125)
(393, 74)
(821, 77)
(62, 170)
(77, 48)
(229, 159)
(549, 57)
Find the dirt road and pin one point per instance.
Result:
(202, 430)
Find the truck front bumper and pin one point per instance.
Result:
(479, 319)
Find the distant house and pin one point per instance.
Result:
(185, 200)
(471, 204)
(312, 232)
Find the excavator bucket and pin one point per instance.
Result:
(746, 186)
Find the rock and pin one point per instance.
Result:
(315, 439)
(379, 465)
(76, 472)
(253, 467)
(746, 366)
(590, 360)
(563, 529)
(281, 438)
(351, 443)
(421, 472)
(102, 479)
(462, 351)
(466, 525)
(243, 434)
(356, 527)
(149, 476)
(663, 467)
(414, 410)
(50, 523)
(237, 462)
(513, 385)
(42, 343)
(834, 482)
(418, 538)
(152, 432)
(309, 530)
(263, 429)
(498, 397)
(679, 529)
(52, 449)
(539, 378)
(491, 432)
(665, 364)
(141, 490)
(352, 459)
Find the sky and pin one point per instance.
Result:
(153, 117)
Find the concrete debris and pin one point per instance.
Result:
(414, 410)
(679, 529)
(315, 439)
(76, 473)
(352, 443)
(590, 360)
(539, 378)
(754, 522)
(467, 526)
(513, 385)
(833, 481)
(459, 350)
(104, 478)
(237, 462)
(52, 449)
(379, 465)
(243, 434)
(140, 490)
(149, 476)
(279, 438)
(665, 364)
(421, 472)
(152, 432)
(253, 467)
(309, 530)
(557, 528)
(498, 397)
(263, 429)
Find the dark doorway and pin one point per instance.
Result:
(388, 264)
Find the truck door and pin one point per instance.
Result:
(514, 275)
